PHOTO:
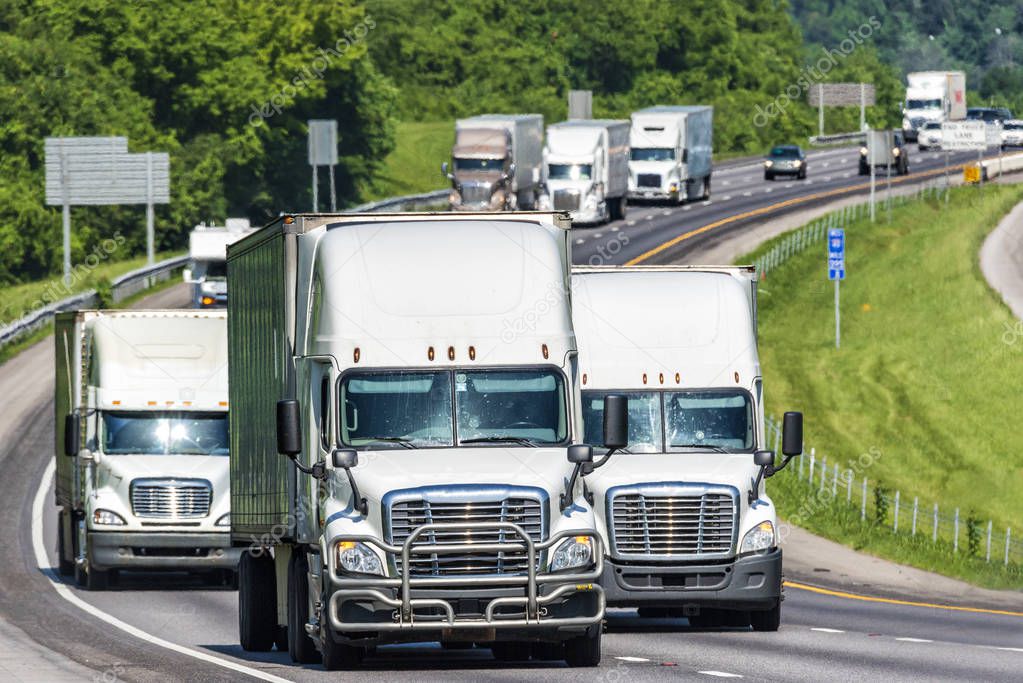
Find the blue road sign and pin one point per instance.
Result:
(836, 254)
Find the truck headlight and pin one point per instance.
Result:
(768, 164)
(797, 163)
(863, 151)
(896, 152)
(760, 537)
(573, 552)
(107, 518)
(454, 198)
(225, 520)
(358, 558)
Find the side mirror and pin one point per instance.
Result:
(685, 156)
(72, 434)
(444, 169)
(792, 434)
(345, 458)
(580, 453)
(616, 421)
(289, 428)
(764, 459)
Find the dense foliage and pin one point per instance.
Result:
(984, 39)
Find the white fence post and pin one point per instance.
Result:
(813, 459)
(934, 534)
(988, 554)
(834, 483)
(916, 506)
(863, 505)
(824, 472)
(955, 537)
(895, 528)
(848, 486)
(1008, 538)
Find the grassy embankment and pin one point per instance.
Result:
(927, 375)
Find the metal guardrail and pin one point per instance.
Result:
(410, 202)
(855, 136)
(122, 287)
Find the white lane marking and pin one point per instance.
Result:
(598, 235)
(725, 182)
(632, 659)
(39, 546)
(747, 194)
(827, 178)
(614, 228)
(826, 164)
(630, 222)
(719, 674)
(827, 630)
(770, 189)
(726, 197)
(1007, 649)
(788, 185)
(666, 212)
(914, 640)
(648, 217)
(846, 175)
(706, 203)
(686, 207)
(580, 240)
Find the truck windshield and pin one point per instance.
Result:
(678, 422)
(164, 433)
(495, 165)
(421, 409)
(653, 154)
(570, 171)
(923, 104)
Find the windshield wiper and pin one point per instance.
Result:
(400, 440)
(708, 446)
(520, 440)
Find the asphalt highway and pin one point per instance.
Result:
(171, 627)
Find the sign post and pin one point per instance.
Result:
(841, 95)
(836, 272)
(879, 153)
(323, 152)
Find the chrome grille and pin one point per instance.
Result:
(566, 200)
(407, 515)
(475, 193)
(171, 498)
(683, 521)
(648, 180)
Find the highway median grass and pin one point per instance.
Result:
(927, 375)
(414, 165)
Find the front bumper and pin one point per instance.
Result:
(752, 582)
(492, 607)
(145, 550)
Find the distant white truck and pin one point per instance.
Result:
(425, 481)
(671, 150)
(586, 164)
(687, 524)
(933, 96)
(141, 432)
(496, 163)
(207, 264)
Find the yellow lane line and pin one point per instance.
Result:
(890, 601)
(774, 207)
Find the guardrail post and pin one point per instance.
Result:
(824, 472)
(895, 528)
(955, 537)
(863, 504)
(916, 507)
(988, 554)
(934, 534)
(834, 483)
(1008, 537)
(813, 459)
(848, 486)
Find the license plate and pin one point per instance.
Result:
(469, 635)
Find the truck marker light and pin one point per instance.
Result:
(150, 403)
(168, 403)
(207, 301)
(644, 378)
(223, 404)
(451, 353)
(472, 353)
(546, 353)
(660, 376)
(116, 403)
(736, 377)
(584, 378)
(678, 378)
(288, 220)
(186, 403)
(355, 354)
(429, 353)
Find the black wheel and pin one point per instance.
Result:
(623, 207)
(511, 651)
(300, 646)
(766, 620)
(584, 650)
(802, 174)
(768, 176)
(706, 188)
(339, 656)
(864, 170)
(65, 565)
(257, 602)
(95, 579)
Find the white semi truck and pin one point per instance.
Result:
(933, 96)
(671, 153)
(687, 524)
(207, 260)
(586, 167)
(425, 481)
(141, 431)
(496, 163)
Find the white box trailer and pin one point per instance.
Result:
(496, 162)
(426, 409)
(933, 96)
(141, 432)
(586, 169)
(671, 153)
(207, 265)
(687, 524)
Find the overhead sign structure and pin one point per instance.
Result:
(580, 104)
(99, 171)
(959, 136)
(323, 152)
(823, 95)
(836, 272)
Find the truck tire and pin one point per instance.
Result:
(584, 650)
(339, 656)
(257, 602)
(706, 188)
(92, 579)
(65, 565)
(766, 620)
(300, 646)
